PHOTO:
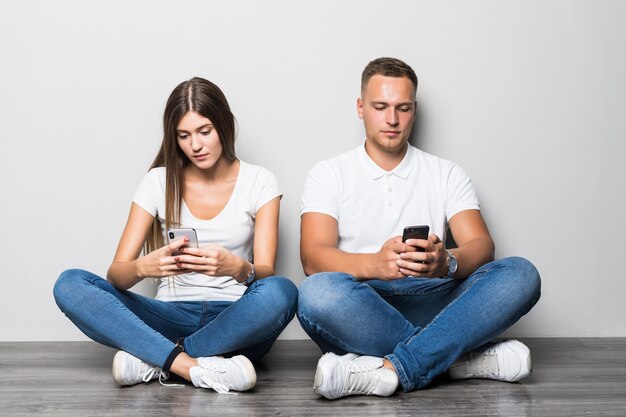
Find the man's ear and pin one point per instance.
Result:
(359, 107)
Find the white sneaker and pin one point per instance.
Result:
(351, 374)
(223, 375)
(508, 360)
(129, 370)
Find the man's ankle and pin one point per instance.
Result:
(389, 365)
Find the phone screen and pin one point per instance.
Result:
(415, 232)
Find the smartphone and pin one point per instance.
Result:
(415, 232)
(175, 234)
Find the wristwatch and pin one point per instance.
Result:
(251, 276)
(451, 264)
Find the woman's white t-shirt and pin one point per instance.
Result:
(232, 228)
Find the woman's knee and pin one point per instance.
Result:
(73, 284)
(282, 292)
(66, 284)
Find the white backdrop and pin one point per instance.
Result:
(528, 97)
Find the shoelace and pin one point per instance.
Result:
(488, 363)
(362, 379)
(212, 382)
(162, 376)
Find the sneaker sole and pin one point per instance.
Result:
(319, 373)
(521, 349)
(117, 367)
(249, 368)
(518, 348)
(319, 379)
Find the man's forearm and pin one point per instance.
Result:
(472, 256)
(329, 259)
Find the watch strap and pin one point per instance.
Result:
(451, 264)
(251, 276)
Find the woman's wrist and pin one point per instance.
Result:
(139, 267)
(244, 270)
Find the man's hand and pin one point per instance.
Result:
(432, 263)
(386, 265)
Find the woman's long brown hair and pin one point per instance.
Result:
(205, 98)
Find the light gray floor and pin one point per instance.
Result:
(571, 377)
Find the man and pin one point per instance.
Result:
(396, 315)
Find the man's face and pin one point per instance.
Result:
(387, 107)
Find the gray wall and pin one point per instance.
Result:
(527, 96)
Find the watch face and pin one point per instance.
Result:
(453, 264)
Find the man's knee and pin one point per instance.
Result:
(524, 279)
(322, 288)
(320, 294)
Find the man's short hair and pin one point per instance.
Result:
(388, 67)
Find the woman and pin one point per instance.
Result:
(219, 299)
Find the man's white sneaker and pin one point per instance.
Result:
(129, 370)
(224, 375)
(351, 374)
(508, 360)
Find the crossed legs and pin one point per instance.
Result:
(420, 325)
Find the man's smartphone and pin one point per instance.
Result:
(415, 232)
(175, 234)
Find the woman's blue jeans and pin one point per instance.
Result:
(422, 325)
(149, 328)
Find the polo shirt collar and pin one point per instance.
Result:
(375, 172)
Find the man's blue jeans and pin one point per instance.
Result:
(149, 328)
(422, 325)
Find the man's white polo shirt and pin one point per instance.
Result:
(371, 204)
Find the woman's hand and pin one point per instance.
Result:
(212, 260)
(162, 262)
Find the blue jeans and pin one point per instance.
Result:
(422, 325)
(149, 328)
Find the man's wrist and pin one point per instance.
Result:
(451, 264)
(367, 269)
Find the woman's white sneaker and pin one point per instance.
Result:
(129, 370)
(351, 374)
(224, 375)
(508, 361)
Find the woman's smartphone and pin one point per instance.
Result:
(415, 232)
(175, 234)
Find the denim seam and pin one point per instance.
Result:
(121, 305)
(148, 309)
(448, 306)
(482, 273)
(267, 335)
(264, 338)
(404, 293)
(202, 313)
(404, 380)
(321, 332)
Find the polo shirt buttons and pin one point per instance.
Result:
(389, 183)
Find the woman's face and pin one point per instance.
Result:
(198, 139)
